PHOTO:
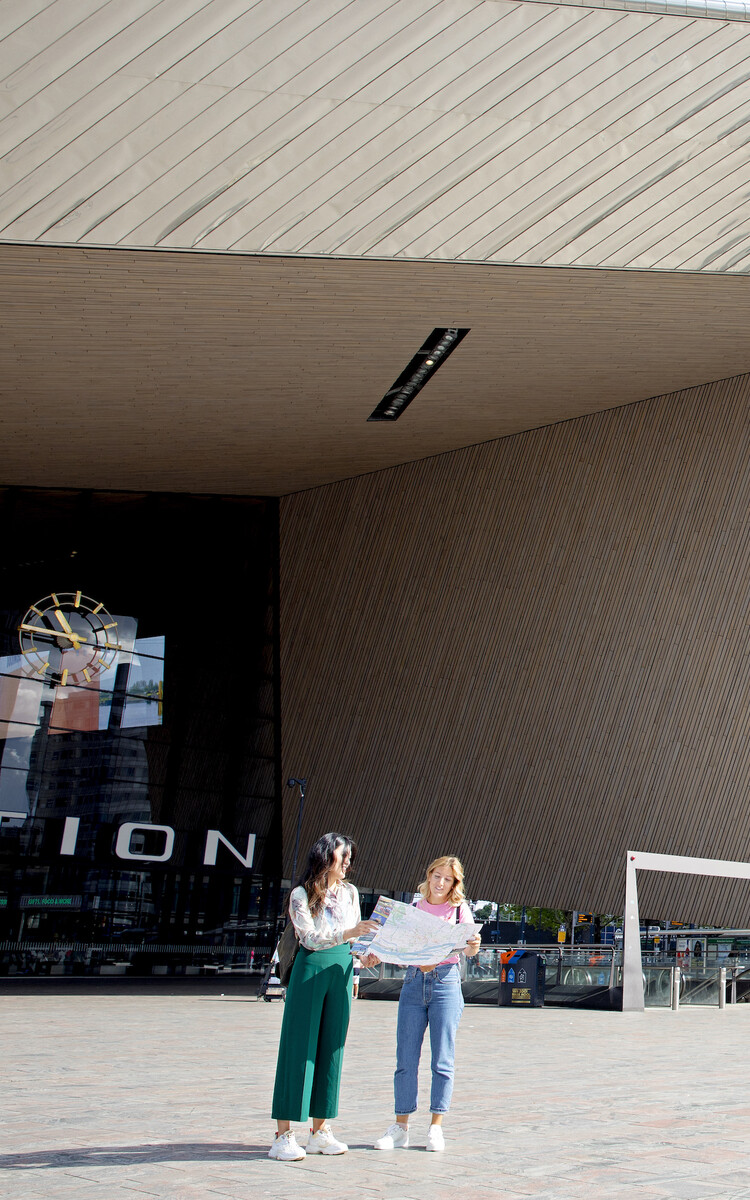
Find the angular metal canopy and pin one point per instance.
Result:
(474, 130)
(229, 225)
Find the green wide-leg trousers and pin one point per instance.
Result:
(313, 1031)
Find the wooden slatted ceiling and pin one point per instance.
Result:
(479, 130)
(225, 374)
(533, 653)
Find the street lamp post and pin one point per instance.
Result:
(301, 784)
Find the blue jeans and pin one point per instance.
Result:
(433, 998)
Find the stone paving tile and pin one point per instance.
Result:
(685, 1189)
(735, 1179)
(111, 1098)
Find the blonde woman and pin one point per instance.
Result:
(431, 997)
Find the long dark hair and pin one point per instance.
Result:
(319, 863)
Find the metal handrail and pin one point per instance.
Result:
(579, 952)
(128, 948)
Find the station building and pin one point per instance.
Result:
(376, 383)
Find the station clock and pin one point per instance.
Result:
(68, 638)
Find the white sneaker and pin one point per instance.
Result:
(435, 1139)
(322, 1141)
(396, 1137)
(285, 1148)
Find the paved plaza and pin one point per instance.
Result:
(130, 1097)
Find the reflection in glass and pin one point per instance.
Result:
(13, 793)
(129, 693)
(57, 747)
(104, 746)
(145, 687)
(20, 698)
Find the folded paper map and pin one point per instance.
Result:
(380, 913)
(410, 937)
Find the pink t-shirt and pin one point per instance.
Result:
(448, 913)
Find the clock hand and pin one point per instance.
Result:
(76, 638)
(64, 622)
(52, 633)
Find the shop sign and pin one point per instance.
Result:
(126, 832)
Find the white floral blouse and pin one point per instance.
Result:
(340, 912)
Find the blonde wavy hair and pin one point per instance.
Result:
(450, 863)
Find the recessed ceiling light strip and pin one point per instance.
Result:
(422, 367)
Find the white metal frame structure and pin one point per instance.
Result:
(632, 971)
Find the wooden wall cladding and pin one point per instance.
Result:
(532, 653)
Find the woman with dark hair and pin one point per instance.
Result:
(325, 912)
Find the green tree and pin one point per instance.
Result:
(552, 919)
(509, 912)
(483, 912)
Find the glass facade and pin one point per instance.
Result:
(140, 824)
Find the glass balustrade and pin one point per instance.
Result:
(586, 969)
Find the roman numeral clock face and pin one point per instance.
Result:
(68, 638)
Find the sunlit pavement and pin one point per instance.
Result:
(112, 1097)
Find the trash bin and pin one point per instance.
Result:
(521, 982)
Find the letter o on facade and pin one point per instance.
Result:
(125, 835)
